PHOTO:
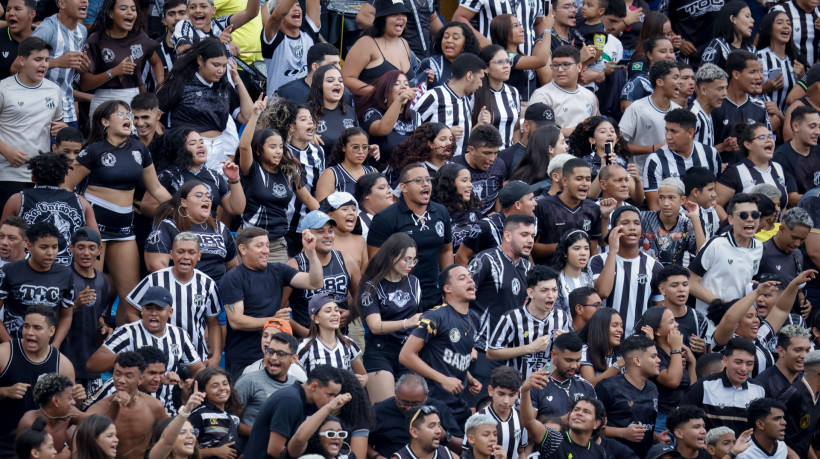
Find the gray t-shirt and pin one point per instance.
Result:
(254, 388)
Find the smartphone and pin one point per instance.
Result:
(608, 151)
(549, 368)
(773, 73)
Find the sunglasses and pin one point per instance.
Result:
(744, 215)
(194, 432)
(333, 434)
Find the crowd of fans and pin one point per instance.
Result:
(567, 229)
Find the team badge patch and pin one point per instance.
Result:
(455, 335)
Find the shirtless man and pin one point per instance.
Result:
(343, 208)
(54, 393)
(133, 412)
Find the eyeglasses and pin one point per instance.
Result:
(426, 409)
(278, 354)
(201, 195)
(562, 65)
(593, 305)
(765, 137)
(333, 434)
(125, 115)
(410, 262)
(194, 432)
(744, 215)
(502, 62)
(420, 180)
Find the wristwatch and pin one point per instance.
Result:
(616, 366)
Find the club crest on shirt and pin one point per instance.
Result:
(137, 156)
(516, 286)
(199, 301)
(348, 123)
(50, 103)
(399, 297)
(108, 160)
(440, 229)
(455, 335)
(587, 224)
(174, 349)
(107, 55)
(5, 54)
(805, 421)
(279, 190)
(474, 266)
(817, 178)
(643, 279)
(136, 51)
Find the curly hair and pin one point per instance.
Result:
(337, 154)
(280, 116)
(314, 443)
(470, 42)
(171, 149)
(578, 141)
(445, 193)
(359, 408)
(416, 149)
(48, 168)
(316, 97)
(48, 386)
(377, 98)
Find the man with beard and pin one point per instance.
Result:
(802, 410)
(426, 434)
(428, 223)
(134, 414)
(800, 156)
(501, 277)
(584, 422)
(565, 384)
(768, 419)
(781, 254)
(569, 210)
(522, 336)
(441, 347)
(255, 387)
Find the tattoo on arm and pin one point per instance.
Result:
(231, 306)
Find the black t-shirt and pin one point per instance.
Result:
(118, 168)
(390, 432)
(801, 171)
(282, 413)
(555, 218)
(557, 397)
(589, 32)
(512, 156)
(174, 177)
(802, 415)
(775, 261)
(669, 398)
(486, 184)
(486, 233)
(296, 90)
(429, 237)
(403, 128)
(8, 52)
(21, 286)
(393, 301)
(560, 445)
(693, 322)
(627, 405)
(449, 337)
(333, 122)
(335, 281)
(693, 20)
(267, 196)
(202, 107)
(773, 381)
(81, 342)
(728, 115)
(261, 292)
(216, 427)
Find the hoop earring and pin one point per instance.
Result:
(179, 211)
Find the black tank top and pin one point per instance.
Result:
(21, 369)
(336, 282)
(54, 205)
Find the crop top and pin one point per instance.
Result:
(118, 168)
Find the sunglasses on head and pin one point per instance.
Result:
(426, 409)
(744, 215)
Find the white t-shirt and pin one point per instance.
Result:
(643, 124)
(570, 107)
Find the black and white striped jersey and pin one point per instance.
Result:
(194, 302)
(666, 163)
(506, 112)
(704, 129)
(518, 328)
(771, 61)
(632, 292)
(442, 105)
(174, 343)
(804, 35)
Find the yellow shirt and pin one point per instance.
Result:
(248, 36)
(764, 236)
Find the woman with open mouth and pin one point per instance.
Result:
(327, 102)
(778, 53)
(756, 144)
(380, 49)
(115, 163)
(454, 39)
(190, 210)
(733, 30)
(345, 164)
(432, 144)
(329, 440)
(118, 50)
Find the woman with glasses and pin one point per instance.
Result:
(113, 164)
(389, 299)
(175, 438)
(345, 163)
(185, 158)
(190, 210)
(502, 100)
(453, 188)
(756, 144)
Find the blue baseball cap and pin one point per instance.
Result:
(315, 220)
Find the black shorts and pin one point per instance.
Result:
(382, 354)
(116, 223)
